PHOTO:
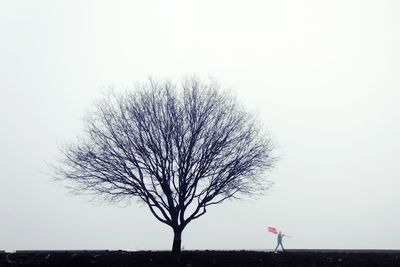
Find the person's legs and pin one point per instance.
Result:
(276, 249)
(282, 246)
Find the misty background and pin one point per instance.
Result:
(323, 76)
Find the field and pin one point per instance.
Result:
(291, 258)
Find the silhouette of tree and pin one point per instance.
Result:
(177, 151)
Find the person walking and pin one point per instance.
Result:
(279, 241)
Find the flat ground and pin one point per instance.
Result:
(207, 258)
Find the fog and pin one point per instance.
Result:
(323, 76)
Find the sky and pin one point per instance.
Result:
(323, 76)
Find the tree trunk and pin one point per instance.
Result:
(176, 245)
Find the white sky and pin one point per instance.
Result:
(323, 75)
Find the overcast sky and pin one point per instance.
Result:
(324, 76)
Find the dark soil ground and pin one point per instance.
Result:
(201, 258)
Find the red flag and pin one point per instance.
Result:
(272, 229)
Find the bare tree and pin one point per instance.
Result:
(177, 151)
